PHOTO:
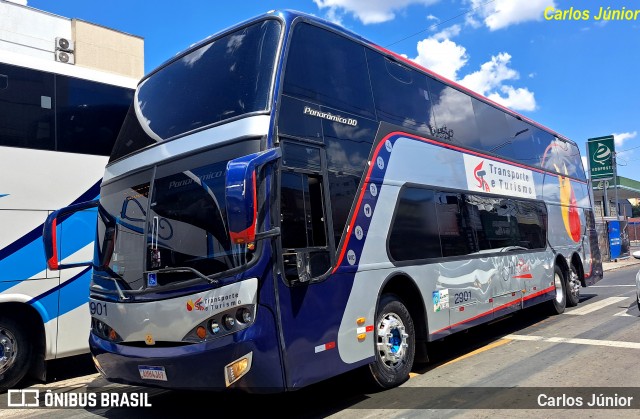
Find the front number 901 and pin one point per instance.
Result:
(97, 309)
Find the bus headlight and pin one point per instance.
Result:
(104, 331)
(228, 322)
(222, 324)
(244, 315)
(214, 327)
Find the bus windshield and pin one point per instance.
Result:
(226, 78)
(172, 224)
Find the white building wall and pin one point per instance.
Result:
(31, 32)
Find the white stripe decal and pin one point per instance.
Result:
(253, 126)
(576, 341)
(596, 306)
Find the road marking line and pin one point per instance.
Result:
(589, 308)
(577, 341)
(624, 314)
(479, 350)
(609, 286)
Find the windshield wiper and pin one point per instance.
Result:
(115, 278)
(190, 270)
(120, 293)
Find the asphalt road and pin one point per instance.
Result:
(528, 365)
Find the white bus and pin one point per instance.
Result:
(58, 124)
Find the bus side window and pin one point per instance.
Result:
(27, 108)
(328, 69)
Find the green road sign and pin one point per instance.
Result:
(601, 152)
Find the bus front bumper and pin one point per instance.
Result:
(248, 360)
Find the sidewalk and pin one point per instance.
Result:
(621, 263)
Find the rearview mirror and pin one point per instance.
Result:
(54, 221)
(241, 194)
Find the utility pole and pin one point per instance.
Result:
(615, 182)
(605, 199)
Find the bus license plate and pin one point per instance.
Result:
(152, 373)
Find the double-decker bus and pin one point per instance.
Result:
(58, 124)
(288, 201)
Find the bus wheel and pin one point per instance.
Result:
(573, 287)
(15, 353)
(394, 343)
(558, 304)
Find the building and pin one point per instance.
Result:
(617, 231)
(35, 35)
(628, 194)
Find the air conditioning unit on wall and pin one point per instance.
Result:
(64, 44)
(65, 57)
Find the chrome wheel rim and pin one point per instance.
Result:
(574, 284)
(8, 350)
(558, 283)
(392, 340)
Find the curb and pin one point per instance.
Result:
(612, 266)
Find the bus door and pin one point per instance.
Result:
(303, 213)
(311, 301)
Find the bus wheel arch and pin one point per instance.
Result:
(22, 333)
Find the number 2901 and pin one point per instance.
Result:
(461, 297)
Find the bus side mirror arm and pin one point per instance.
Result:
(49, 234)
(241, 197)
(274, 232)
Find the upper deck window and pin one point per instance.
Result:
(223, 79)
(328, 69)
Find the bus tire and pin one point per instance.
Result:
(15, 353)
(573, 287)
(559, 302)
(394, 340)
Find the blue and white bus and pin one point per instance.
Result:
(287, 201)
(58, 124)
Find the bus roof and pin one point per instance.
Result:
(288, 16)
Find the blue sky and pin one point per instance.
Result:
(577, 77)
